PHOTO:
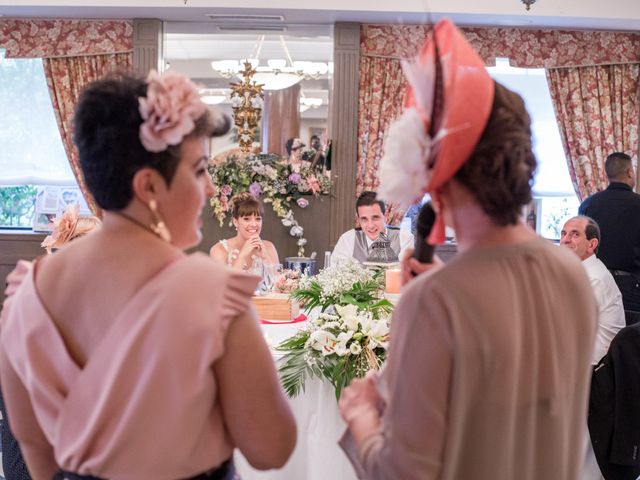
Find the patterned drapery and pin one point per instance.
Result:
(66, 78)
(380, 99)
(383, 46)
(23, 38)
(74, 53)
(598, 110)
(525, 48)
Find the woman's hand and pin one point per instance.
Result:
(253, 246)
(411, 267)
(361, 405)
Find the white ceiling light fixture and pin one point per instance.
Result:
(278, 73)
(528, 4)
(212, 96)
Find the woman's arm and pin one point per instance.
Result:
(218, 252)
(254, 407)
(272, 252)
(406, 437)
(37, 451)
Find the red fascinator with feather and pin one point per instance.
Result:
(449, 99)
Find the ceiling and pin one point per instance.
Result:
(587, 14)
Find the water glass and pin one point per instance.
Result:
(270, 273)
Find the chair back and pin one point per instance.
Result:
(631, 317)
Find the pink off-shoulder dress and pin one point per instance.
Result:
(145, 404)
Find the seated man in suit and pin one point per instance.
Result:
(373, 241)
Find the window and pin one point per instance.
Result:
(553, 191)
(32, 155)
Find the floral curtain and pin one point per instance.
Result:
(598, 110)
(382, 47)
(74, 53)
(66, 77)
(23, 38)
(380, 99)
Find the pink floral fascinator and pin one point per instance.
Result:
(169, 110)
(68, 226)
(449, 100)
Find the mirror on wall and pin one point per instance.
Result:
(295, 66)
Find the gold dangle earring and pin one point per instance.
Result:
(158, 226)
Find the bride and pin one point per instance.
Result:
(246, 248)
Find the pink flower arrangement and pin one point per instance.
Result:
(169, 110)
(313, 183)
(287, 282)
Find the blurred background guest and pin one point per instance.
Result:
(295, 151)
(69, 226)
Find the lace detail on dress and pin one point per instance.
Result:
(232, 255)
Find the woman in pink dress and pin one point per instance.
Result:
(122, 357)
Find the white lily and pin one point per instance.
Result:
(323, 341)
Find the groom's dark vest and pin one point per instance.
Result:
(362, 252)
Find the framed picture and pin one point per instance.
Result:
(52, 201)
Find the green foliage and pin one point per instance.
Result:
(364, 294)
(17, 206)
(301, 363)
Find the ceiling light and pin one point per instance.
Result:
(278, 73)
(528, 3)
(213, 96)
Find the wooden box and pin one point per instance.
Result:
(276, 307)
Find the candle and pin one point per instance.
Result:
(392, 280)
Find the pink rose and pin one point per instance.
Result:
(302, 202)
(169, 110)
(313, 183)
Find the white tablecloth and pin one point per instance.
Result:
(317, 455)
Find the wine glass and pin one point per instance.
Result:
(270, 274)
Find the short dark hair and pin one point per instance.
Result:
(367, 198)
(107, 133)
(499, 171)
(245, 204)
(289, 145)
(616, 165)
(591, 229)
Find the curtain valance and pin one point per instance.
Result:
(23, 38)
(526, 48)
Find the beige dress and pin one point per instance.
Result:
(488, 371)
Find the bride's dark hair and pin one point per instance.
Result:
(245, 204)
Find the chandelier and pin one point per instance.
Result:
(246, 102)
(528, 3)
(277, 74)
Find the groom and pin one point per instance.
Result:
(373, 241)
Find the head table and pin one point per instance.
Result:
(317, 455)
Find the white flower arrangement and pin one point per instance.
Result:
(403, 168)
(345, 283)
(350, 334)
(338, 347)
